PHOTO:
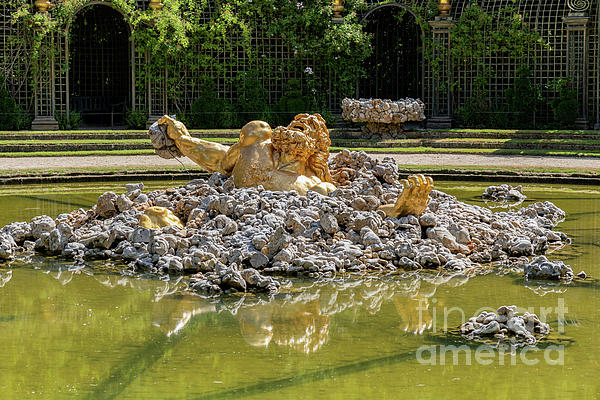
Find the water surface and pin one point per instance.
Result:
(85, 333)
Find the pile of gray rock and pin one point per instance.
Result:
(233, 238)
(504, 194)
(505, 324)
(384, 118)
(383, 111)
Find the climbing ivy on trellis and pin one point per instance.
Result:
(338, 50)
(476, 38)
(172, 35)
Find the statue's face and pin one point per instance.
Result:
(294, 144)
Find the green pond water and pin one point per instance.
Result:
(86, 333)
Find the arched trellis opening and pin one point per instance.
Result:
(395, 69)
(100, 73)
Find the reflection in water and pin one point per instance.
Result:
(172, 314)
(296, 322)
(64, 273)
(544, 288)
(300, 319)
(5, 277)
(160, 288)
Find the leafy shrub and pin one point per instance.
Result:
(565, 106)
(12, 116)
(73, 121)
(184, 116)
(252, 99)
(523, 100)
(290, 104)
(473, 114)
(136, 119)
(499, 118)
(211, 112)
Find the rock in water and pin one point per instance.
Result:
(542, 268)
(505, 195)
(7, 247)
(505, 325)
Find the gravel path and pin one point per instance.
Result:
(449, 160)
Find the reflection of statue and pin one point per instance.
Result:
(414, 313)
(172, 314)
(287, 158)
(298, 325)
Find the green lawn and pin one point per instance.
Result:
(77, 153)
(398, 150)
(519, 131)
(471, 151)
(98, 141)
(214, 131)
(334, 141)
(109, 131)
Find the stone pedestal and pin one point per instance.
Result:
(577, 60)
(47, 123)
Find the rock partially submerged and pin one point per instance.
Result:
(504, 195)
(542, 268)
(505, 325)
(233, 237)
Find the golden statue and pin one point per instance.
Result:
(285, 158)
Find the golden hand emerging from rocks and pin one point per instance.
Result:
(413, 199)
(286, 158)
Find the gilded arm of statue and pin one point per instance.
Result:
(213, 157)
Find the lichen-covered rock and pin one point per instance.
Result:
(505, 325)
(123, 203)
(163, 145)
(542, 268)
(132, 187)
(329, 223)
(383, 111)
(7, 247)
(19, 231)
(106, 206)
(504, 195)
(40, 225)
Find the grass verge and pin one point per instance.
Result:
(382, 150)
(433, 150)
